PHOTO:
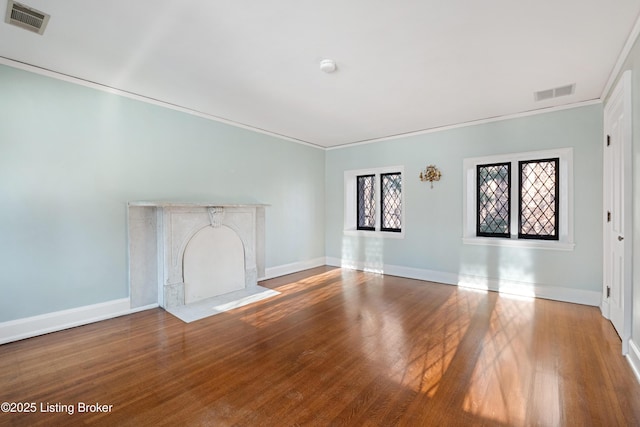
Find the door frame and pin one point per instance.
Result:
(622, 93)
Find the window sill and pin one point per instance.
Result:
(372, 233)
(520, 243)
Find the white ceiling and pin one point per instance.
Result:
(403, 66)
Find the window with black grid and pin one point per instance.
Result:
(539, 199)
(493, 198)
(391, 201)
(366, 206)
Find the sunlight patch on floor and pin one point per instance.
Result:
(421, 364)
(500, 385)
(473, 283)
(285, 306)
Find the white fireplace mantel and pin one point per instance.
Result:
(159, 233)
(165, 204)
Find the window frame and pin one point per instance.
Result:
(556, 235)
(564, 226)
(351, 203)
(382, 204)
(485, 234)
(358, 196)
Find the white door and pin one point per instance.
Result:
(616, 183)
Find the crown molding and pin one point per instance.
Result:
(471, 123)
(108, 89)
(131, 95)
(622, 57)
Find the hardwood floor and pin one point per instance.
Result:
(336, 347)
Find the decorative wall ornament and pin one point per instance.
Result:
(216, 215)
(431, 173)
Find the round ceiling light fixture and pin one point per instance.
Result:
(328, 65)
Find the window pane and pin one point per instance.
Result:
(494, 212)
(391, 201)
(539, 199)
(366, 202)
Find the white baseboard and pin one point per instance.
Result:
(634, 358)
(294, 267)
(604, 308)
(578, 296)
(15, 330)
(28, 327)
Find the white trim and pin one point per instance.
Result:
(566, 213)
(377, 234)
(294, 267)
(511, 287)
(604, 306)
(469, 123)
(519, 243)
(634, 358)
(628, 202)
(622, 92)
(108, 89)
(28, 327)
(622, 57)
(15, 330)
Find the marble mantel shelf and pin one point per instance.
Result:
(170, 204)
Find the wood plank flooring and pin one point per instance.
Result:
(336, 347)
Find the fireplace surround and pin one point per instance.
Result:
(161, 232)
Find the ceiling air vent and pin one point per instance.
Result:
(555, 92)
(26, 17)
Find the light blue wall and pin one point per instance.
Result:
(433, 217)
(71, 158)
